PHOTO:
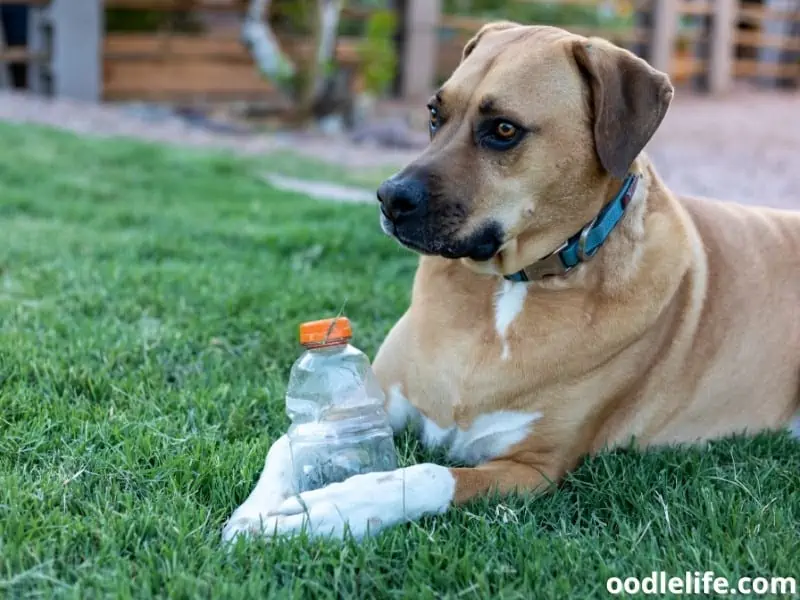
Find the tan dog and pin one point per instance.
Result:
(567, 301)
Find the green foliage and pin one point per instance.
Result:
(377, 51)
(292, 16)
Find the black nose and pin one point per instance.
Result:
(403, 197)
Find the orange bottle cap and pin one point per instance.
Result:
(325, 331)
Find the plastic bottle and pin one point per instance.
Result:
(336, 405)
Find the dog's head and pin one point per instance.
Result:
(530, 125)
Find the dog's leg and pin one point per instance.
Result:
(367, 504)
(274, 486)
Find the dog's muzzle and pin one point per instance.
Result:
(433, 227)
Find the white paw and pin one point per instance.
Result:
(362, 505)
(273, 488)
(243, 525)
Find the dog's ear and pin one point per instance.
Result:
(488, 28)
(628, 99)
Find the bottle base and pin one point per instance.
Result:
(316, 465)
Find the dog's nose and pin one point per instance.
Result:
(402, 198)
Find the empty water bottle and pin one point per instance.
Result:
(339, 425)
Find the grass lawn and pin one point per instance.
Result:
(149, 300)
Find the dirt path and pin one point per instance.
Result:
(745, 147)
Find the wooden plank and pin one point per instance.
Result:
(222, 48)
(696, 9)
(20, 55)
(151, 79)
(683, 68)
(347, 49)
(757, 39)
(760, 13)
(751, 67)
(133, 46)
(615, 35)
(461, 22)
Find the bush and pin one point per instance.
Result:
(377, 51)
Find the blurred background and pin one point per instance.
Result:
(306, 72)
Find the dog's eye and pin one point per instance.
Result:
(505, 130)
(500, 134)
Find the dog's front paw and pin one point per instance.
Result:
(318, 513)
(332, 510)
(363, 505)
(244, 526)
(273, 488)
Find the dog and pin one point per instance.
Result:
(565, 302)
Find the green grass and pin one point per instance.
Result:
(149, 299)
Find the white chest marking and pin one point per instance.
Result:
(508, 304)
(488, 437)
(794, 427)
(400, 410)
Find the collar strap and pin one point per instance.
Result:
(583, 245)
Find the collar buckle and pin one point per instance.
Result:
(584, 256)
(549, 266)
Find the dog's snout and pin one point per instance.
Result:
(403, 198)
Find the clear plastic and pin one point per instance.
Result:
(339, 425)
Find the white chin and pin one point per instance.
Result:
(386, 225)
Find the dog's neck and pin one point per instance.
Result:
(520, 261)
(583, 245)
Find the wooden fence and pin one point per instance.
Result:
(174, 63)
(211, 64)
(767, 42)
(70, 53)
(707, 42)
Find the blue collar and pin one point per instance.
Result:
(584, 244)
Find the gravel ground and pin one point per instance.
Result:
(743, 147)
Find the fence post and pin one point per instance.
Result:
(720, 67)
(665, 28)
(420, 48)
(39, 38)
(5, 78)
(71, 33)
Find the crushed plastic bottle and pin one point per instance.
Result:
(339, 425)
